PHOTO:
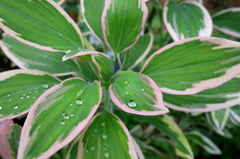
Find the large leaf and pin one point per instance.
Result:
(28, 57)
(204, 142)
(20, 89)
(223, 96)
(228, 21)
(9, 139)
(41, 24)
(187, 19)
(122, 23)
(192, 65)
(137, 94)
(57, 117)
(106, 137)
(166, 125)
(137, 53)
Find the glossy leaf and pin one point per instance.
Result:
(27, 57)
(106, 137)
(220, 117)
(166, 125)
(105, 66)
(227, 21)
(136, 94)
(204, 142)
(9, 139)
(187, 19)
(121, 31)
(20, 89)
(193, 65)
(57, 117)
(137, 53)
(223, 96)
(41, 24)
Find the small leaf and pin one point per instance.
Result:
(73, 150)
(193, 65)
(57, 117)
(137, 94)
(27, 57)
(20, 89)
(234, 115)
(106, 137)
(219, 117)
(166, 125)
(83, 55)
(187, 19)
(41, 24)
(227, 21)
(204, 142)
(223, 96)
(9, 137)
(121, 31)
(88, 71)
(137, 53)
(105, 66)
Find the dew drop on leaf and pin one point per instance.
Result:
(62, 123)
(27, 96)
(93, 148)
(70, 104)
(95, 130)
(71, 115)
(15, 107)
(142, 89)
(0, 107)
(106, 155)
(132, 104)
(79, 93)
(66, 116)
(86, 151)
(126, 82)
(45, 86)
(79, 102)
(21, 97)
(103, 124)
(8, 95)
(104, 136)
(127, 93)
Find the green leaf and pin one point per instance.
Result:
(41, 24)
(57, 117)
(106, 137)
(122, 23)
(20, 89)
(234, 115)
(166, 125)
(9, 137)
(88, 70)
(220, 117)
(137, 53)
(137, 94)
(186, 19)
(227, 21)
(27, 57)
(204, 142)
(59, 1)
(193, 65)
(223, 96)
(73, 150)
(83, 55)
(105, 66)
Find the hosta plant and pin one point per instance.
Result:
(72, 93)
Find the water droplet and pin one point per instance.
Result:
(132, 103)
(71, 114)
(33, 97)
(62, 122)
(8, 95)
(86, 151)
(127, 93)
(63, 114)
(36, 91)
(21, 97)
(93, 148)
(79, 102)
(15, 107)
(79, 93)
(126, 82)
(10, 100)
(106, 155)
(45, 86)
(24, 94)
(104, 136)
(0, 107)
(142, 89)
(95, 130)
(103, 124)
(29, 92)
(66, 117)
(27, 96)
(70, 104)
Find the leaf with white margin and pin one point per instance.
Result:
(166, 124)
(41, 24)
(27, 57)
(73, 149)
(59, 1)
(83, 55)
(20, 89)
(106, 137)
(192, 65)
(234, 115)
(9, 139)
(204, 142)
(138, 149)
(57, 117)
(122, 23)
(223, 96)
(136, 94)
(187, 19)
(228, 21)
(220, 117)
(137, 53)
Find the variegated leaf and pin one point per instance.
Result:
(193, 65)
(186, 19)
(137, 94)
(220, 117)
(106, 137)
(20, 89)
(234, 115)
(57, 117)
(83, 55)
